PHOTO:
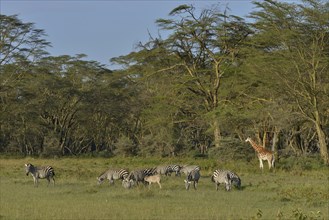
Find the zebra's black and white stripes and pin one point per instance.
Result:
(186, 169)
(227, 177)
(219, 176)
(168, 169)
(235, 179)
(113, 174)
(192, 176)
(174, 168)
(37, 173)
(150, 171)
(138, 175)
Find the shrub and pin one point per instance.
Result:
(232, 149)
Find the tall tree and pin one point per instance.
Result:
(64, 93)
(21, 44)
(155, 111)
(205, 45)
(294, 42)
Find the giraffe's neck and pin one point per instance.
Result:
(255, 146)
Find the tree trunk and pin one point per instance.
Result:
(275, 140)
(321, 136)
(264, 138)
(322, 144)
(217, 135)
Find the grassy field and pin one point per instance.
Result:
(292, 191)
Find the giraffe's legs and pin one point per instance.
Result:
(269, 164)
(261, 166)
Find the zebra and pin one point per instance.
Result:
(112, 174)
(194, 176)
(227, 177)
(174, 168)
(162, 170)
(126, 183)
(168, 169)
(235, 179)
(186, 169)
(138, 175)
(37, 173)
(150, 171)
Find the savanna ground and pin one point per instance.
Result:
(296, 189)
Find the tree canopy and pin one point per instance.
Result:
(213, 81)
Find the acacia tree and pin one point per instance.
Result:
(294, 43)
(205, 46)
(20, 40)
(70, 94)
(155, 95)
(21, 45)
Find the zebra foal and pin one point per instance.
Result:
(37, 173)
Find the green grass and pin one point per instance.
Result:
(294, 193)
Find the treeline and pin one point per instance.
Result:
(213, 81)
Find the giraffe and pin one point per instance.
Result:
(262, 154)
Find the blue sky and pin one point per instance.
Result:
(102, 29)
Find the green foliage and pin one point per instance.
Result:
(50, 146)
(288, 37)
(20, 41)
(125, 147)
(232, 149)
(214, 80)
(179, 9)
(301, 163)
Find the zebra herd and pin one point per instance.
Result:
(147, 175)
